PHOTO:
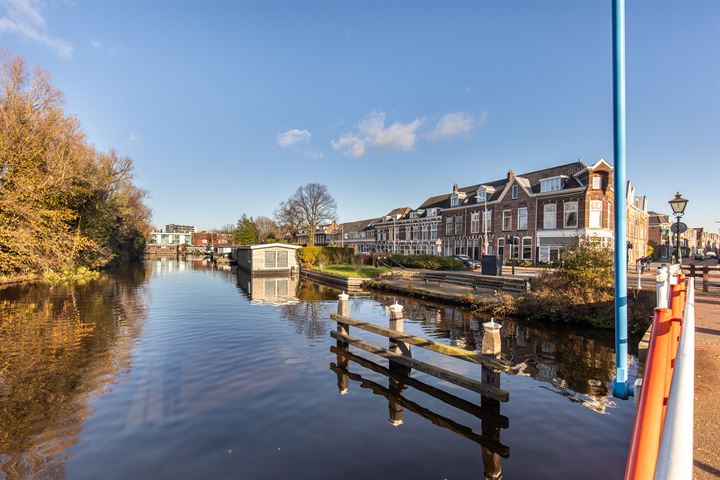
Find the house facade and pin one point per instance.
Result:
(637, 225)
(659, 234)
(169, 238)
(323, 235)
(211, 239)
(531, 216)
(359, 235)
(707, 241)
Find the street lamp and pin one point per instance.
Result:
(678, 205)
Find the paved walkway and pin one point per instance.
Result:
(707, 386)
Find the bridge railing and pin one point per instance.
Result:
(662, 439)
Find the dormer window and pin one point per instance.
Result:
(552, 184)
(481, 195)
(596, 181)
(514, 192)
(432, 212)
(456, 198)
(414, 214)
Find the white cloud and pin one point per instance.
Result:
(134, 138)
(372, 132)
(452, 124)
(23, 17)
(96, 44)
(292, 137)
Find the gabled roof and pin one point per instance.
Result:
(357, 226)
(530, 181)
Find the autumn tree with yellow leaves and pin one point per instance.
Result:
(63, 204)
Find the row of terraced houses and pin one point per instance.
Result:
(529, 216)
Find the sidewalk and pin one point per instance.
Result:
(707, 386)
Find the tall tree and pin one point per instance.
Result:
(63, 204)
(310, 206)
(246, 232)
(267, 229)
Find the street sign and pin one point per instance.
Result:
(675, 226)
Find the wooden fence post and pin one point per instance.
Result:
(396, 410)
(706, 278)
(343, 309)
(491, 346)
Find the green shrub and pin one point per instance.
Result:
(317, 256)
(428, 262)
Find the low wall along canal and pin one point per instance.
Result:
(179, 369)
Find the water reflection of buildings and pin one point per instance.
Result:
(574, 365)
(268, 289)
(61, 347)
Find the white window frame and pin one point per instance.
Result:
(520, 215)
(455, 201)
(514, 192)
(449, 225)
(522, 248)
(433, 231)
(552, 184)
(596, 181)
(501, 244)
(475, 222)
(547, 215)
(459, 225)
(507, 215)
(566, 211)
(595, 216)
(482, 195)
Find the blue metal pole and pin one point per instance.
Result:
(621, 388)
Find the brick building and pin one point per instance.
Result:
(541, 211)
(211, 239)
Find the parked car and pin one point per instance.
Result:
(699, 255)
(711, 255)
(467, 261)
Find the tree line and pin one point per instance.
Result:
(63, 203)
(304, 211)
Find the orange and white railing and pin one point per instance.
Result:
(662, 439)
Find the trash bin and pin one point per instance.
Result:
(492, 265)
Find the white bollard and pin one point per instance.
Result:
(639, 274)
(661, 287)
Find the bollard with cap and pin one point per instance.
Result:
(491, 346)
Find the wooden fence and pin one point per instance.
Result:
(401, 364)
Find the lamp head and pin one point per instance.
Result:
(678, 204)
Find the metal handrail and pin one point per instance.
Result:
(675, 457)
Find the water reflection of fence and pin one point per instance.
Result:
(399, 370)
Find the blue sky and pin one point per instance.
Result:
(228, 107)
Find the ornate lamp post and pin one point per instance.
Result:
(678, 205)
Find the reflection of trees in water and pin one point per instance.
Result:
(311, 315)
(59, 346)
(569, 359)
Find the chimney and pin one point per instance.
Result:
(455, 188)
(511, 175)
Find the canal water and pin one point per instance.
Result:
(176, 370)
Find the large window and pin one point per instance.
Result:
(425, 231)
(596, 182)
(522, 218)
(507, 220)
(270, 259)
(527, 248)
(449, 226)
(475, 222)
(549, 216)
(570, 217)
(488, 220)
(596, 213)
(282, 259)
(501, 247)
(459, 227)
(481, 196)
(454, 201)
(433, 231)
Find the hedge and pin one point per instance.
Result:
(428, 262)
